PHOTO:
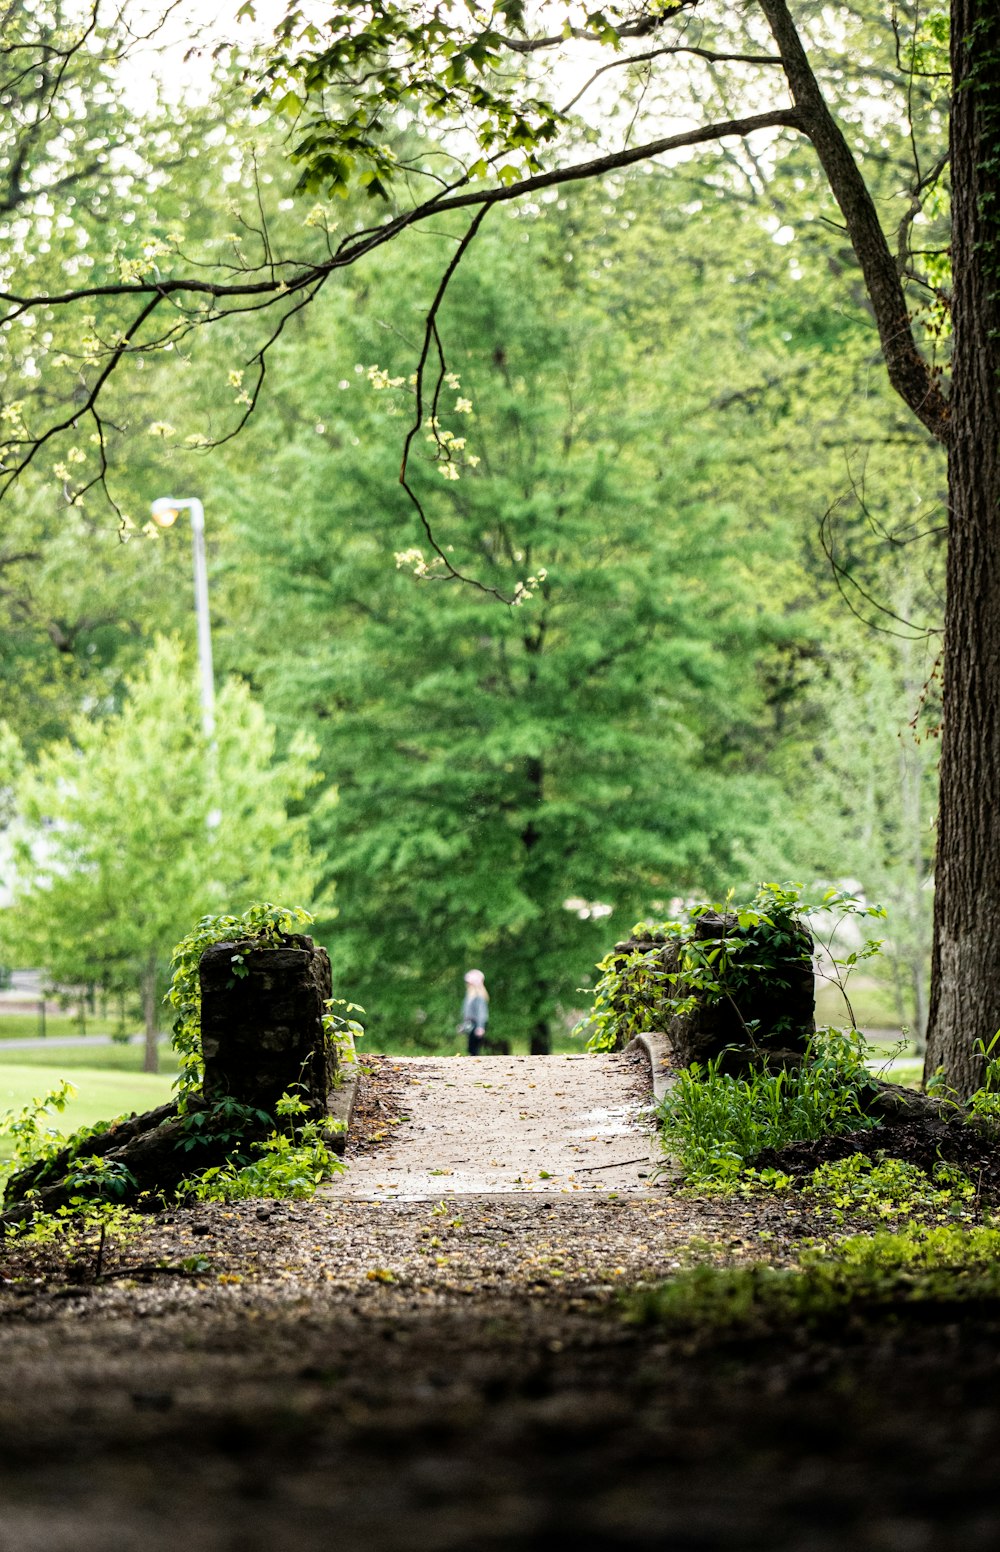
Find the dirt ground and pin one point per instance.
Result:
(456, 1373)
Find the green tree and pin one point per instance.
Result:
(140, 825)
(607, 742)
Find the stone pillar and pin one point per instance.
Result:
(770, 1020)
(262, 1032)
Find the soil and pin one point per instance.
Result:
(920, 1140)
(458, 1373)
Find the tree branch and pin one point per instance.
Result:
(357, 247)
(909, 373)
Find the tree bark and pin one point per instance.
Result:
(150, 1010)
(540, 1036)
(965, 967)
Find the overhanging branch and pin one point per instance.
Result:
(909, 373)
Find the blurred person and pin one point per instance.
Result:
(475, 1011)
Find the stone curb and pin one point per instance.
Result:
(340, 1104)
(656, 1048)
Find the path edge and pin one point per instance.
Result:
(656, 1048)
(340, 1103)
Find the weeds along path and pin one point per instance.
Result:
(497, 1124)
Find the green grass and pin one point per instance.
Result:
(100, 1095)
(27, 1026)
(911, 1076)
(874, 1004)
(116, 1058)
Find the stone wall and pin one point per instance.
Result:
(769, 1021)
(262, 1032)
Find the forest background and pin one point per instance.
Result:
(666, 407)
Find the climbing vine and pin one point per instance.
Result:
(263, 925)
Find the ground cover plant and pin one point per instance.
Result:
(717, 1123)
(942, 1264)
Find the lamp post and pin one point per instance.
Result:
(166, 510)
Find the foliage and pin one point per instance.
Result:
(718, 413)
(378, 59)
(506, 776)
(913, 1265)
(261, 924)
(80, 1232)
(764, 940)
(98, 1178)
(342, 1030)
(33, 1140)
(885, 1188)
(287, 1163)
(717, 1124)
(762, 943)
(984, 1103)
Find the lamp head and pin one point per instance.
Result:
(164, 511)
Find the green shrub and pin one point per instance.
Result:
(292, 1163)
(768, 936)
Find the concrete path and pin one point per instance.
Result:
(498, 1124)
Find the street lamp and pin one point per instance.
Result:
(166, 510)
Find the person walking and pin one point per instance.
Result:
(475, 1011)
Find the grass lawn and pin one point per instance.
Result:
(911, 1076)
(874, 1004)
(117, 1058)
(100, 1094)
(27, 1026)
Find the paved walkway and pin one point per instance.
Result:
(498, 1124)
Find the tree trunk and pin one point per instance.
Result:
(965, 964)
(541, 1038)
(150, 1012)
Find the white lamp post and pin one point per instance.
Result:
(166, 510)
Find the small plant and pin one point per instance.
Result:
(717, 1124)
(984, 1104)
(78, 1233)
(227, 1121)
(885, 1188)
(34, 1141)
(284, 1166)
(342, 1030)
(911, 1265)
(291, 1163)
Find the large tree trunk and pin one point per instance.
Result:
(965, 968)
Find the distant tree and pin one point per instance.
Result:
(507, 776)
(140, 825)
